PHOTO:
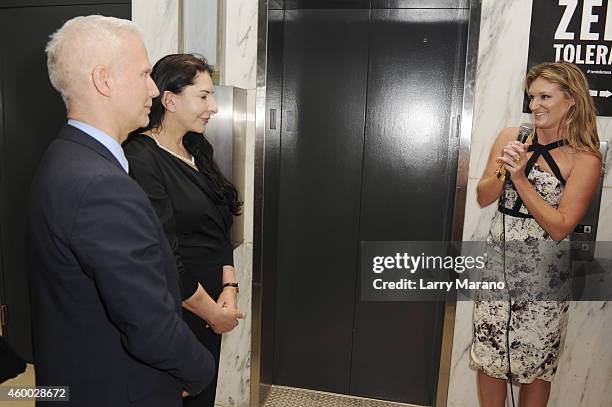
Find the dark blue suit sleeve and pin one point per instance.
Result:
(117, 240)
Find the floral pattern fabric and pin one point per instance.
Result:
(537, 276)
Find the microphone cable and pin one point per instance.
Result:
(509, 373)
(524, 137)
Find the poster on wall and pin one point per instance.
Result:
(576, 31)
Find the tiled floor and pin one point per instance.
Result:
(280, 396)
(25, 379)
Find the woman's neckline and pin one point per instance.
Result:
(184, 160)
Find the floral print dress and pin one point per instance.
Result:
(537, 276)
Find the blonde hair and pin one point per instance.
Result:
(79, 45)
(579, 128)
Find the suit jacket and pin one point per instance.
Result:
(104, 287)
(12, 365)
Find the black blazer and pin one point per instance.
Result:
(104, 286)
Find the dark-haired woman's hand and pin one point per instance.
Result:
(228, 297)
(225, 319)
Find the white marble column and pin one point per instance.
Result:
(158, 21)
(585, 369)
(239, 53)
(200, 28)
(233, 387)
(238, 64)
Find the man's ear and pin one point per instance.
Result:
(101, 79)
(167, 100)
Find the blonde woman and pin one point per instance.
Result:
(552, 178)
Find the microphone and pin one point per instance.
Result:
(526, 131)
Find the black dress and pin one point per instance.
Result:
(197, 223)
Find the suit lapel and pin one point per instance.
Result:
(78, 136)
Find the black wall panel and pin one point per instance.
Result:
(51, 3)
(32, 113)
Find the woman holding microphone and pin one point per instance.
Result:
(553, 175)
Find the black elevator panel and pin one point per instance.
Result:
(365, 148)
(32, 113)
(365, 4)
(324, 95)
(408, 188)
(428, 4)
(275, 5)
(326, 4)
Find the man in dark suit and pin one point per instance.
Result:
(104, 285)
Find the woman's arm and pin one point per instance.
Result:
(577, 194)
(489, 187)
(229, 295)
(220, 319)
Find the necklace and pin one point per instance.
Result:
(191, 161)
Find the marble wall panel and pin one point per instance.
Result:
(158, 21)
(233, 388)
(240, 44)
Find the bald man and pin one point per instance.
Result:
(104, 286)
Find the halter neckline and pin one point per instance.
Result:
(538, 150)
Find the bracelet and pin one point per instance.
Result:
(235, 285)
(500, 174)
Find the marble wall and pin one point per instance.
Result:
(238, 63)
(158, 20)
(239, 50)
(200, 28)
(233, 388)
(585, 369)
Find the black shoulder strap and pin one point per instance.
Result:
(544, 151)
(538, 150)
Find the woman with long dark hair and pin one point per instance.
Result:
(553, 173)
(173, 162)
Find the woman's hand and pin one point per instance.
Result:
(227, 302)
(228, 298)
(220, 319)
(514, 158)
(224, 319)
(490, 186)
